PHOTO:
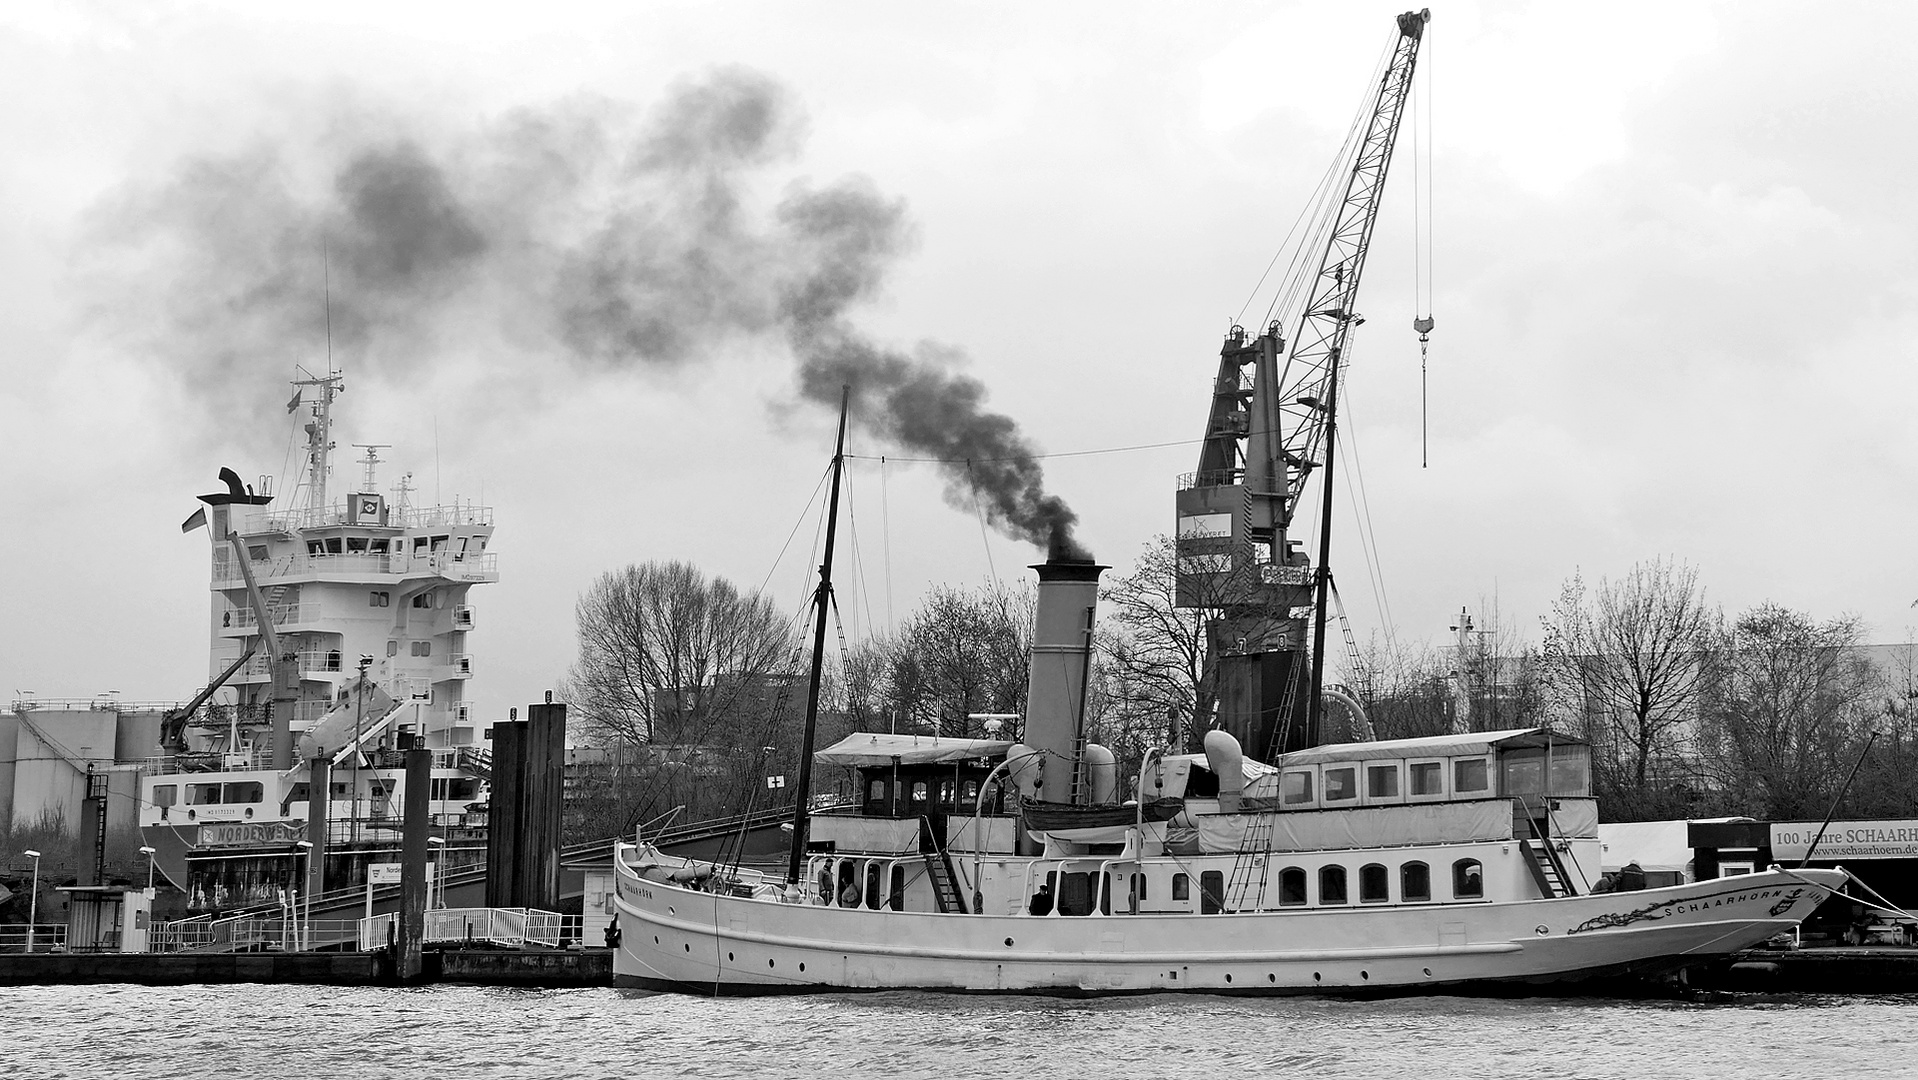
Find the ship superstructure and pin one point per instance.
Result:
(362, 651)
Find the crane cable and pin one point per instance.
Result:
(1422, 237)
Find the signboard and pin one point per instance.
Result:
(1846, 840)
(238, 833)
(383, 873)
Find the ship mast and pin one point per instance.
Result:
(822, 599)
(319, 438)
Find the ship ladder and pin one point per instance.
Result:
(1547, 869)
(1255, 850)
(945, 889)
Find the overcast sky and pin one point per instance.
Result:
(1674, 285)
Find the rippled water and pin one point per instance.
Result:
(270, 1031)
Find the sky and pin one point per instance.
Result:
(1674, 274)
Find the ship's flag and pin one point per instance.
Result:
(295, 403)
(198, 519)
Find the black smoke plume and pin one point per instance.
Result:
(588, 232)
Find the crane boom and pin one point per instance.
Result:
(1269, 430)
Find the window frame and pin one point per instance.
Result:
(1330, 896)
(1370, 874)
(1406, 893)
(1459, 869)
(1412, 766)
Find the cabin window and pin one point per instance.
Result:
(920, 792)
(379, 547)
(1468, 879)
(1291, 887)
(423, 600)
(1374, 886)
(876, 791)
(203, 794)
(896, 898)
(848, 884)
(247, 791)
(1428, 778)
(1341, 785)
(332, 545)
(1571, 770)
(873, 880)
(1415, 882)
(314, 547)
(256, 552)
(422, 648)
(379, 599)
(1469, 774)
(166, 794)
(969, 793)
(1332, 885)
(297, 793)
(439, 544)
(1181, 887)
(1382, 781)
(356, 545)
(945, 794)
(1296, 787)
(1211, 892)
(392, 648)
(1523, 771)
(419, 544)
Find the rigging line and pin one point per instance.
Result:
(858, 560)
(1023, 457)
(984, 539)
(1341, 161)
(1305, 211)
(1368, 534)
(803, 514)
(885, 539)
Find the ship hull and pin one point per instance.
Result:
(681, 939)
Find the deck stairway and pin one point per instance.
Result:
(1252, 863)
(1547, 868)
(945, 886)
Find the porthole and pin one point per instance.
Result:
(1175, 976)
(655, 939)
(802, 967)
(1365, 974)
(1316, 977)
(1008, 942)
(1228, 978)
(669, 909)
(769, 963)
(1269, 977)
(689, 946)
(729, 956)
(1428, 973)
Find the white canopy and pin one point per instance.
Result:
(876, 748)
(1467, 744)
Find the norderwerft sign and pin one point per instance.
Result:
(1846, 840)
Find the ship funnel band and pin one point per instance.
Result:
(1069, 570)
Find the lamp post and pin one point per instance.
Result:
(306, 895)
(33, 898)
(148, 852)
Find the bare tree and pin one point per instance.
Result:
(1153, 652)
(963, 651)
(1626, 666)
(1788, 704)
(1408, 692)
(665, 654)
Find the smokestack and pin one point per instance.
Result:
(1061, 649)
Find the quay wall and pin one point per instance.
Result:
(487, 967)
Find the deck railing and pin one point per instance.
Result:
(44, 937)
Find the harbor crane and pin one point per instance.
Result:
(1271, 429)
